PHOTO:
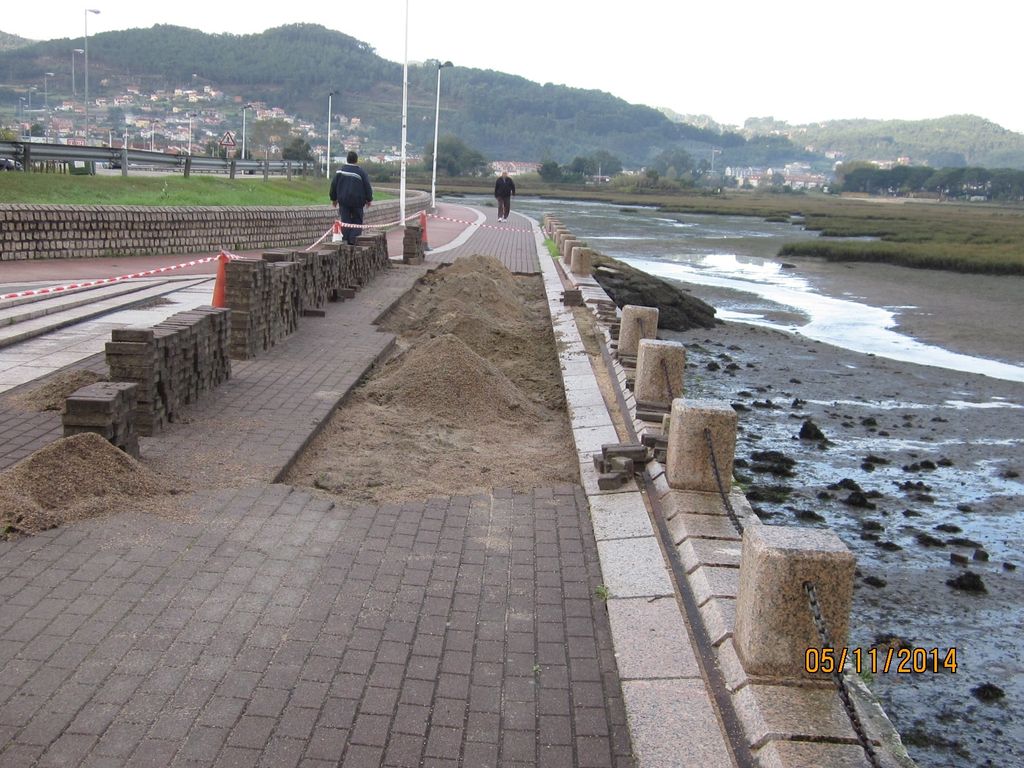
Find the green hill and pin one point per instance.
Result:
(12, 42)
(954, 141)
(503, 116)
(294, 67)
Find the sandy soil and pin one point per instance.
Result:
(473, 400)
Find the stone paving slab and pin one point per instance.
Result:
(275, 629)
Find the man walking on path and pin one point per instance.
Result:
(504, 188)
(351, 192)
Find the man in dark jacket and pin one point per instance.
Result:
(351, 192)
(504, 188)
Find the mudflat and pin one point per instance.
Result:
(921, 472)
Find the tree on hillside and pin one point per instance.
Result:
(297, 149)
(679, 160)
(607, 163)
(550, 171)
(455, 158)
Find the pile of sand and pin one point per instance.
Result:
(501, 317)
(475, 402)
(51, 395)
(71, 479)
(444, 378)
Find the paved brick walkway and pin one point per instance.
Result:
(275, 629)
(511, 241)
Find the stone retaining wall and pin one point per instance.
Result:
(73, 232)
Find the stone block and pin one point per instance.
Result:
(774, 624)
(581, 263)
(637, 323)
(689, 463)
(660, 366)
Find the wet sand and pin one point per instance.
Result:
(941, 450)
(972, 314)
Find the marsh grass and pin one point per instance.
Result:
(960, 237)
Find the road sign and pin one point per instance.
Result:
(228, 139)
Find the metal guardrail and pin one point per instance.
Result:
(26, 153)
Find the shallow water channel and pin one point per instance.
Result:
(934, 363)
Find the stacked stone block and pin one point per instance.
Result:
(106, 408)
(412, 244)
(265, 302)
(268, 296)
(173, 363)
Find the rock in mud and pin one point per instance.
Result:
(847, 484)
(927, 540)
(987, 692)
(808, 515)
(892, 640)
(773, 462)
(811, 431)
(677, 310)
(888, 546)
(968, 581)
(769, 493)
(875, 581)
(858, 499)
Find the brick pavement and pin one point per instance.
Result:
(512, 242)
(274, 628)
(277, 629)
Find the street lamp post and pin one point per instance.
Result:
(245, 109)
(405, 117)
(330, 114)
(85, 56)
(74, 89)
(46, 90)
(152, 135)
(190, 116)
(437, 119)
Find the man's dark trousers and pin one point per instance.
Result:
(351, 216)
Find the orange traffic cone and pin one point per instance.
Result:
(220, 286)
(423, 229)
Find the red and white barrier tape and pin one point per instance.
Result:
(483, 226)
(56, 289)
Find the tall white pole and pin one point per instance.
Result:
(405, 113)
(330, 96)
(437, 118)
(85, 55)
(244, 110)
(190, 133)
(437, 121)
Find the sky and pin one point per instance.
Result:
(794, 60)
